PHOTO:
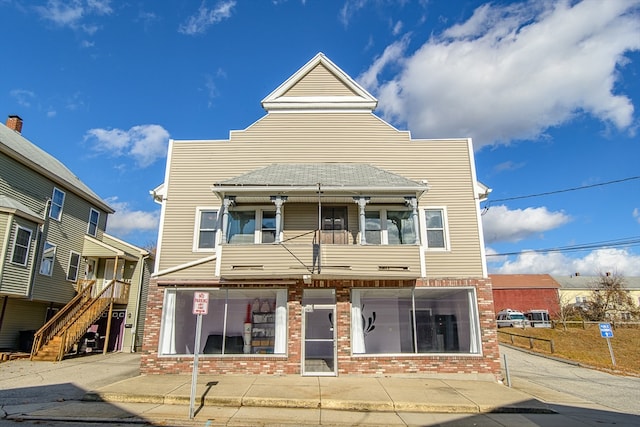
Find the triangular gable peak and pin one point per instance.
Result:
(319, 85)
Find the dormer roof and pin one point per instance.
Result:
(319, 85)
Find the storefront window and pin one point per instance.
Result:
(239, 321)
(392, 321)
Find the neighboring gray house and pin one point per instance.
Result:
(50, 226)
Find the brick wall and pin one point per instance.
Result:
(487, 363)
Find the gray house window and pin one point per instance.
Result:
(435, 228)
(208, 224)
(21, 246)
(74, 265)
(94, 217)
(57, 203)
(48, 258)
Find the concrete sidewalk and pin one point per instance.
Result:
(367, 394)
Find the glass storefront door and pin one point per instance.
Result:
(319, 340)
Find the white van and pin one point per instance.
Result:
(508, 318)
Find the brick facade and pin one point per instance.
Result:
(488, 362)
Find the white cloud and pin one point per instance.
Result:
(144, 143)
(619, 261)
(71, 13)
(512, 72)
(23, 97)
(503, 225)
(199, 23)
(125, 221)
(636, 214)
(349, 8)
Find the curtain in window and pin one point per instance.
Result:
(357, 333)
(281, 323)
(168, 340)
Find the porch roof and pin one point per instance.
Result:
(7, 204)
(95, 248)
(326, 177)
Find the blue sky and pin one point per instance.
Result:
(548, 90)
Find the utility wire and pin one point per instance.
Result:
(565, 190)
(630, 241)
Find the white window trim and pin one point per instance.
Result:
(55, 249)
(257, 232)
(91, 211)
(15, 242)
(196, 228)
(384, 232)
(445, 224)
(71, 253)
(64, 196)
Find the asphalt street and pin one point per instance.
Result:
(620, 393)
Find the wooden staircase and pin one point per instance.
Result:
(68, 326)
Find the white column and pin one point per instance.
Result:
(226, 204)
(412, 202)
(362, 202)
(278, 201)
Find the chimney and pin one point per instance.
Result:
(15, 123)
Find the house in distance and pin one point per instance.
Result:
(327, 241)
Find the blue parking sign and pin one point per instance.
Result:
(605, 330)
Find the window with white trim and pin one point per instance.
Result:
(389, 227)
(48, 258)
(57, 203)
(21, 245)
(74, 266)
(436, 228)
(418, 320)
(206, 229)
(92, 227)
(251, 226)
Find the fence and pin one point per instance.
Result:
(531, 340)
(584, 324)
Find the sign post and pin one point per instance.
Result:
(200, 307)
(607, 332)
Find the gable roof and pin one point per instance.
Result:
(523, 281)
(24, 151)
(319, 85)
(589, 282)
(330, 176)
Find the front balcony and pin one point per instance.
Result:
(293, 260)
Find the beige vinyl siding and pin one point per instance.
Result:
(20, 315)
(5, 234)
(320, 81)
(325, 137)
(16, 278)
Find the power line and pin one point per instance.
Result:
(565, 190)
(628, 241)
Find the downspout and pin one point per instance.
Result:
(137, 314)
(40, 236)
(319, 231)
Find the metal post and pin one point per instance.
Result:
(613, 359)
(506, 370)
(194, 375)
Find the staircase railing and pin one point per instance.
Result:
(72, 321)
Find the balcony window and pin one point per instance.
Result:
(373, 227)
(247, 227)
(48, 258)
(57, 203)
(410, 321)
(21, 246)
(206, 229)
(240, 322)
(389, 227)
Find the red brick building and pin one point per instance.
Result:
(524, 292)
